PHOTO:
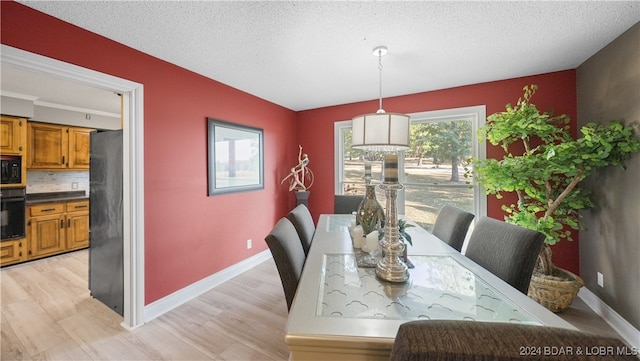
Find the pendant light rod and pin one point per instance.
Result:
(379, 51)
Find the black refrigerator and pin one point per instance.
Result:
(106, 273)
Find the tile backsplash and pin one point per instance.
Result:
(57, 181)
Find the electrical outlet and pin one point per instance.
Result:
(600, 280)
(249, 244)
(74, 185)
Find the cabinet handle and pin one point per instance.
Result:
(19, 244)
(63, 162)
(62, 223)
(80, 207)
(20, 148)
(20, 254)
(48, 210)
(69, 223)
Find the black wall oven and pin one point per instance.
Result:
(12, 216)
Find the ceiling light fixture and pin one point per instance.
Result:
(380, 131)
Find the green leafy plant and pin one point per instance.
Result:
(547, 170)
(402, 229)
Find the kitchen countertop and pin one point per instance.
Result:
(50, 197)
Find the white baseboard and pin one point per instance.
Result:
(629, 333)
(179, 297)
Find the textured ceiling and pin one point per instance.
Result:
(310, 54)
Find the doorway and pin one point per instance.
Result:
(133, 164)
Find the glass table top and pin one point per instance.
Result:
(339, 222)
(438, 288)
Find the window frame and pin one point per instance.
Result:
(477, 116)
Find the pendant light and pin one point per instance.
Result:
(380, 131)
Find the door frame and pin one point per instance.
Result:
(132, 164)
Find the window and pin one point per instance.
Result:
(433, 173)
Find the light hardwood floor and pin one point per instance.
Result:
(48, 314)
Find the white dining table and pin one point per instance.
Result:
(344, 312)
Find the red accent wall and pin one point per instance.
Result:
(557, 92)
(188, 235)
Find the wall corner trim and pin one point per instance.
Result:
(630, 334)
(194, 290)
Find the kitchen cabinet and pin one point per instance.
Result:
(57, 227)
(77, 218)
(13, 135)
(13, 251)
(46, 229)
(53, 146)
(79, 140)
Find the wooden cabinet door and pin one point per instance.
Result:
(77, 224)
(77, 231)
(79, 140)
(46, 235)
(48, 146)
(13, 135)
(13, 251)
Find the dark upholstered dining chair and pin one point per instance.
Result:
(287, 252)
(346, 204)
(507, 250)
(302, 220)
(452, 224)
(448, 340)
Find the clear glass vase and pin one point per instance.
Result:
(370, 213)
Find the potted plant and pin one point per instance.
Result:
(544, 166)
(402, 231)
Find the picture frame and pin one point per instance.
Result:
(235, 157)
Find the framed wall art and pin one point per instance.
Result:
(236, 157)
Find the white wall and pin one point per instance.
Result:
(58, 114)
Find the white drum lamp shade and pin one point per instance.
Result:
(380, 132)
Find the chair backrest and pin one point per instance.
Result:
(303, 222)
(471, 340)
(452, 225)
(286, 248)
(346, 204)
(507, 250)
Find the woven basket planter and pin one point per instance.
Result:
(557, 291)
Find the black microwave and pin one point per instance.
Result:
(11, 169)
